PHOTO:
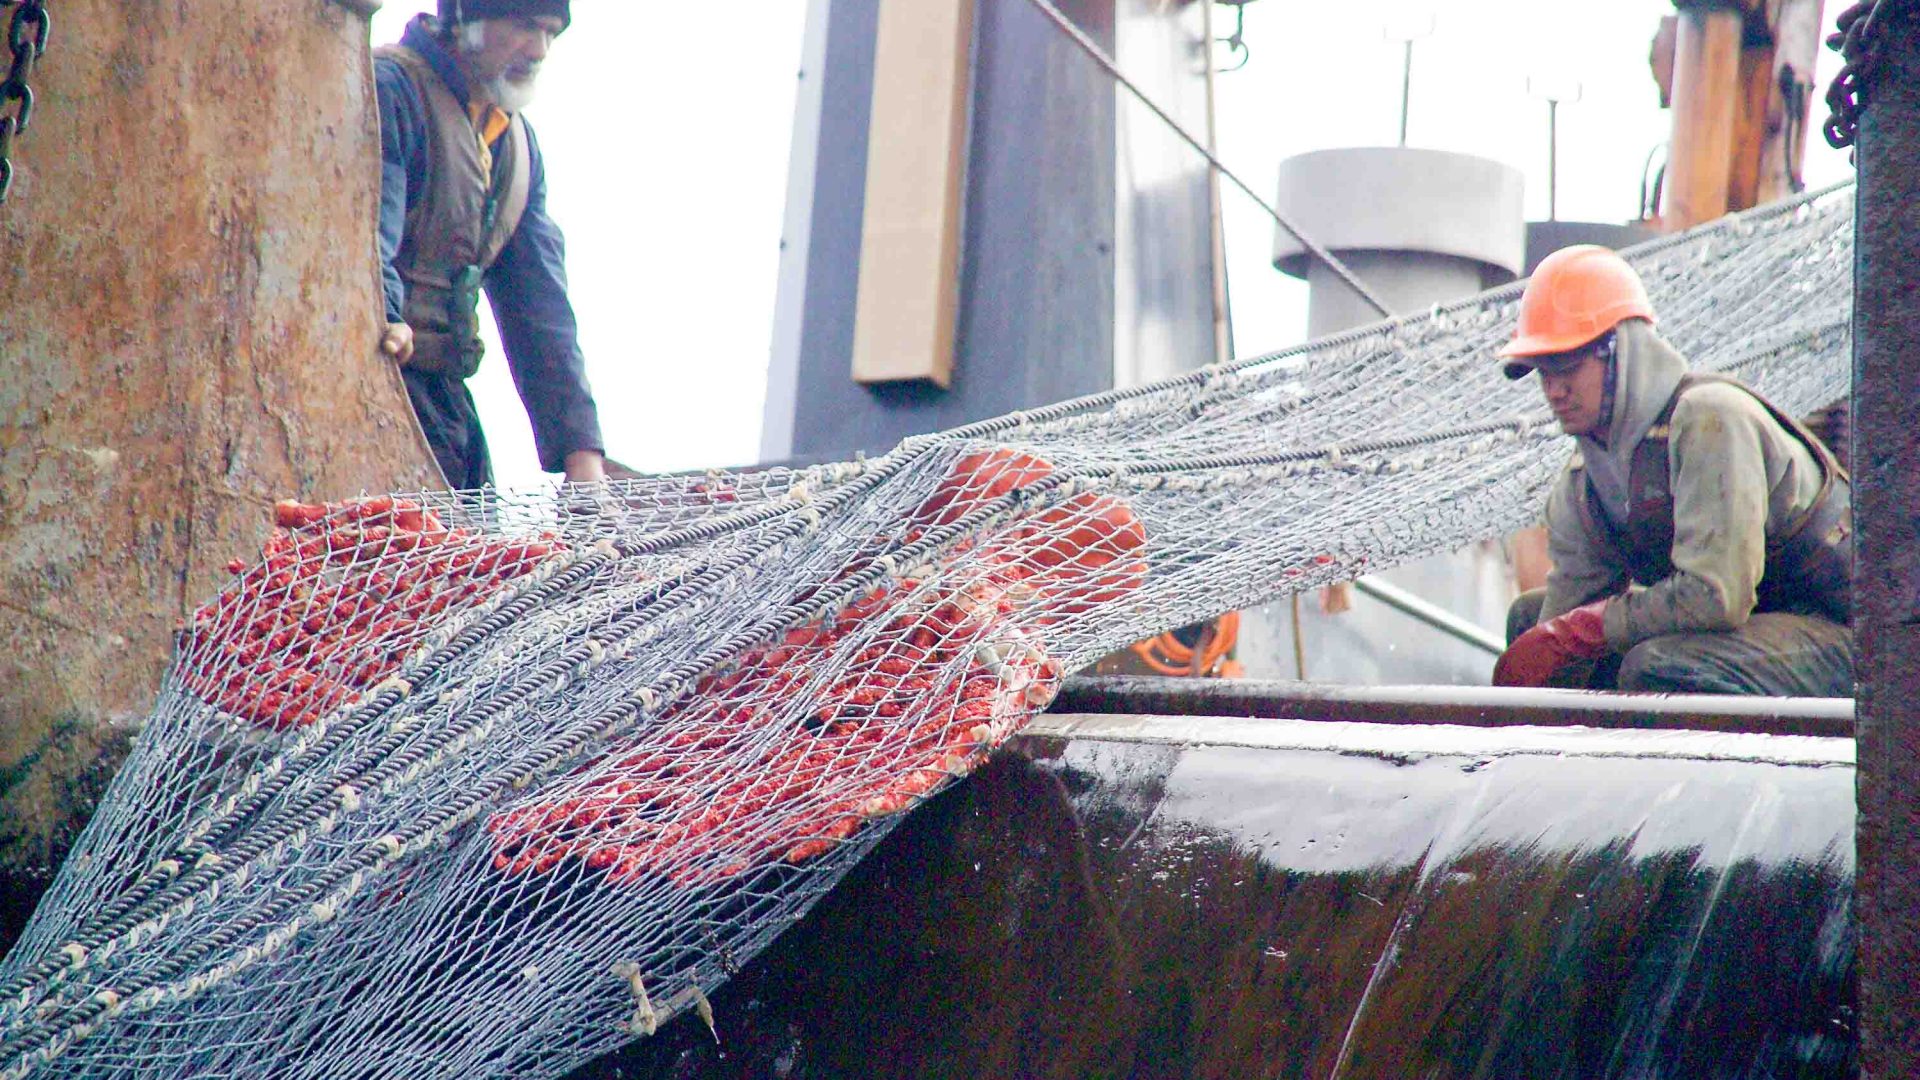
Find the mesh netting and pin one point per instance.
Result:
(468, 785)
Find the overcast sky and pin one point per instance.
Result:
(666, 129)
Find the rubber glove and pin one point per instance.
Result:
(1536, 656)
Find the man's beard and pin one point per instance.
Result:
(513, 94)
(512, 89)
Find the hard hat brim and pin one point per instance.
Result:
(1523, 357)
(1517, 368)
(1523, 354)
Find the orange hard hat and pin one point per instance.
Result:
(1575, 295)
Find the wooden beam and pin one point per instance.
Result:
(908, 295)
(1705, 99)
(1796, 29)
(1776, 96)
(1753, 60)
(1754, 96)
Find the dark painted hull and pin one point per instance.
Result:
(1107, 909)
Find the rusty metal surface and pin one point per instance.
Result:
(1481, 706)
(1091, 908)
(1886, 458)
(188, 312)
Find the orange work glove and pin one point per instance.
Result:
(1536, 656)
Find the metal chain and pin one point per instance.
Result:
(1856, 39)
(27, 41)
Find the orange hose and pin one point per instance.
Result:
(1165, 655)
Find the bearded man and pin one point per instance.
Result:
(1701, 538)
(463, 198)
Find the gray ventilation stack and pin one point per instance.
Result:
(1418, 227)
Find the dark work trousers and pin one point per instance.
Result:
(1776, 653)
(452, 424)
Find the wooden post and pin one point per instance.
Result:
(1705, 103)
(1754, 95)
(1739, 78)
(1790, 96)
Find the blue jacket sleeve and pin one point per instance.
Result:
(527, 287)
(401, 146)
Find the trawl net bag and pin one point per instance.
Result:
(472, 784)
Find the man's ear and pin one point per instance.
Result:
(473, 35)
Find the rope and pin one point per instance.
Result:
(337, 891)
(1770, 214)
(39, 1031)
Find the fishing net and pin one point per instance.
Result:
(482, 784)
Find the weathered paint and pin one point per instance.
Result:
(188, 312)
(1096, 907)
(1036, 288)
(1476, 706)
(1886, 459)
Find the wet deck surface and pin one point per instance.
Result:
(1456, 905)
(1163, 897)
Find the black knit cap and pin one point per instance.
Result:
(452, 11)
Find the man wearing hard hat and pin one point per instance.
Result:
(463, 206)
(1701, 539)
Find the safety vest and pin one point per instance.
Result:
(1809, 565)
(458, 225)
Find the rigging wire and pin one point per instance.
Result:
(1327, 258)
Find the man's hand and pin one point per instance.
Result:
(397, 342)
(586, 467)
(591, 507)
(1536, 656)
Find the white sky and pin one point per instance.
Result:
(666, 129)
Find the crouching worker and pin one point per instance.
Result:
(1701, 539)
